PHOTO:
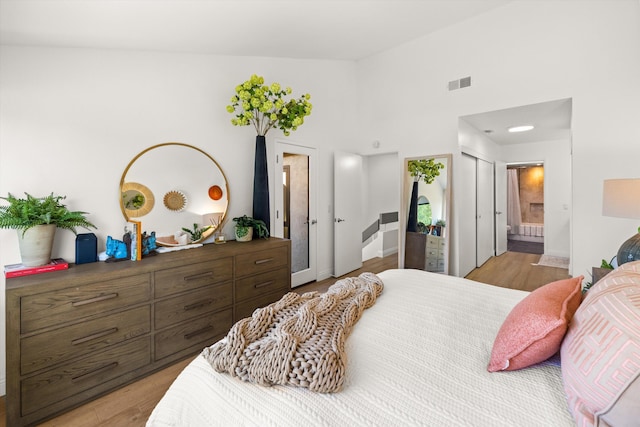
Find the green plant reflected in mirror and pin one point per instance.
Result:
(174, 168)
(137, 199)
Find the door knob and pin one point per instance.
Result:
(498, 213)
(339, 220)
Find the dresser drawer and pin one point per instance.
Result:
(432, 253)
(246, 308)
(258, 262)
(55, 307)
(47, 349)
(192, 304)
(269, 282)
(197, 333)
(192, 276)
(65, 381)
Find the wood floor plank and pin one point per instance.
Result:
(517, 270)
(132, 405)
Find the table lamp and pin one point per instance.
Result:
(621, 198)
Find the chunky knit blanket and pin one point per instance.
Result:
(298, 340)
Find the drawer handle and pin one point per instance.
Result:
(94, 299)
(198, 332)
(96, 372)
(94, 336)
(262, 285)
(263, 261)
(198, 276)
(197, 305)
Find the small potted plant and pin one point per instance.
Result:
(198, 233)
(247, 227)
(36, 220)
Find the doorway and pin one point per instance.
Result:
(496, 137)
(295, 200)
(525, 208)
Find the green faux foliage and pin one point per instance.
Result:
(265, 107)
(197, 232)
(605, 264)
(23, 214)
(259, 227)
(425, 170)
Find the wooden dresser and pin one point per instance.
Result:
(424, 252)
(76, 334)
(434, 253)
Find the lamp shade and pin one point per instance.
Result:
(621, 198)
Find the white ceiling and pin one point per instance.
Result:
(303, 29)
(317, 29)
(551, 121)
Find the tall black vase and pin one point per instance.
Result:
(412, 223)
(261, 183)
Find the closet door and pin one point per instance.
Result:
(466, 197)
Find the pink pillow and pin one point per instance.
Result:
(601, 352)
(535, 327)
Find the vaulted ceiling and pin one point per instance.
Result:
(303, 29)
(317, 29)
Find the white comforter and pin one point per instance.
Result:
(417, 357)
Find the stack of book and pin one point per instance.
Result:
(17, 270)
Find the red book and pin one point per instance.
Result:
(17, 270)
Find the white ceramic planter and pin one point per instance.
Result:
(36, 244)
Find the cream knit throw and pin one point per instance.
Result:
(298, 340)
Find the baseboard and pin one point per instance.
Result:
(520, 237)
(387, 252)
(324, 275)
(557, 254)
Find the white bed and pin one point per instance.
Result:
(417, 357)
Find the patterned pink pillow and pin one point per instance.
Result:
(535, 327)
(600, 355)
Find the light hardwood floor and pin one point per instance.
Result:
(130, 406)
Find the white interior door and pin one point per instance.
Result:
(466, 197)
(295, 201)
(485, 212)
(347, 227)
(501, 207)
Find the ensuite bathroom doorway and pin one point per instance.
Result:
(525, 207)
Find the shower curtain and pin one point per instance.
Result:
(514, 216)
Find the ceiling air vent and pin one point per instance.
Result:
(460, 83)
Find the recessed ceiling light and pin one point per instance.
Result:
(522, 128)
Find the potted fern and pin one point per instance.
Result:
(247, 227)
(36, 220)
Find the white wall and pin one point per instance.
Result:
(72, 119)
(523, 53)
(381, 186)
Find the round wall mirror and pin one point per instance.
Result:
(171, 187)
